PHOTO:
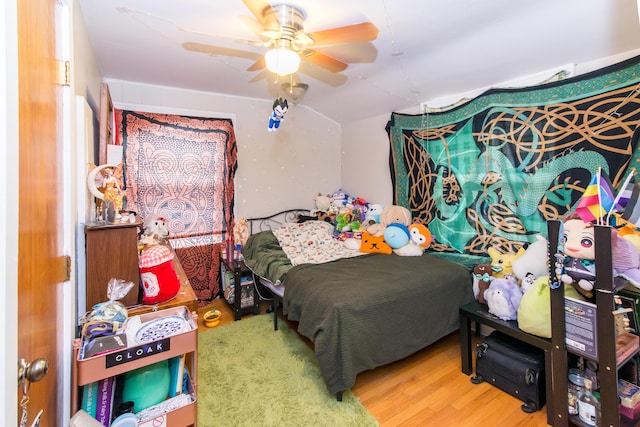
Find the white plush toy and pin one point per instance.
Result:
(323, 203)
(155, 225)
(503, 298)
(532, 264)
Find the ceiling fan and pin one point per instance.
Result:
(281, 30)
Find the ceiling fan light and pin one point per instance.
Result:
(295, 90)
(282, 61)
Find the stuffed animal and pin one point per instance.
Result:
(532, 263)
(501, 264)
(503, 298)
(418, 239)
(374, 244)
(241, 232)
(280, 107)
(420, 235)
(338, 201)
(482, 274)
(397, 235)
(160, 282)
(579, 252)
(534, 313)
(389, 215)
(373, 212)
(155, 225)
(323, 203)
(345, 222)
(579, 255)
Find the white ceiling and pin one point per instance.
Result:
(425, 49)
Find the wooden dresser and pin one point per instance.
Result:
(112, 252)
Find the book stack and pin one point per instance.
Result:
(629, 394)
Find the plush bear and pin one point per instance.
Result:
(389, 215)
(482, 274)
(503, 298)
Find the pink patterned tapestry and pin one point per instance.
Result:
(182, 168)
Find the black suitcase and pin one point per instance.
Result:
(512, 366)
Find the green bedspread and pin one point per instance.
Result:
(264, 256)
(372, 310)
(366, 311)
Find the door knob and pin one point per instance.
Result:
(31, 372)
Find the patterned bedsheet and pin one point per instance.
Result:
(311, 242)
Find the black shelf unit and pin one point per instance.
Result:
(605, 329)
(240, 270)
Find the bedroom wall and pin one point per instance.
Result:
(365, 155)
(276, 170)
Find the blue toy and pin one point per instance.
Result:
(280, 107)
(397, 235)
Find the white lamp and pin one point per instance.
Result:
(282, 60)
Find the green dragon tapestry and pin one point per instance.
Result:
(491, 172)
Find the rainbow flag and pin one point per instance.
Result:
(597, 199)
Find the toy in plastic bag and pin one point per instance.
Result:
(108, 317)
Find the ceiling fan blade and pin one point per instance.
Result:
(322, 74)
(323, 60)
(258, 65)
(362, 32)
(257, 8)
(217, 50)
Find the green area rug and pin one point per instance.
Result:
(251, 375)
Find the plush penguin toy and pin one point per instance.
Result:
(280, 107)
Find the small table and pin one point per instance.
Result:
(239, 270)
(476, 312)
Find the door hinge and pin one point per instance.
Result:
(64, 268)
(64, 73)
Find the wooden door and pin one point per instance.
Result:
(40, 200)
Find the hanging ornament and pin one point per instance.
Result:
(280, 107)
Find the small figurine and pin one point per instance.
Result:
(280, 107)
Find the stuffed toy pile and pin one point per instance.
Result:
(371, 227)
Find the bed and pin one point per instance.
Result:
(363, 311)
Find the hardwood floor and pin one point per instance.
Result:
(426, 389)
